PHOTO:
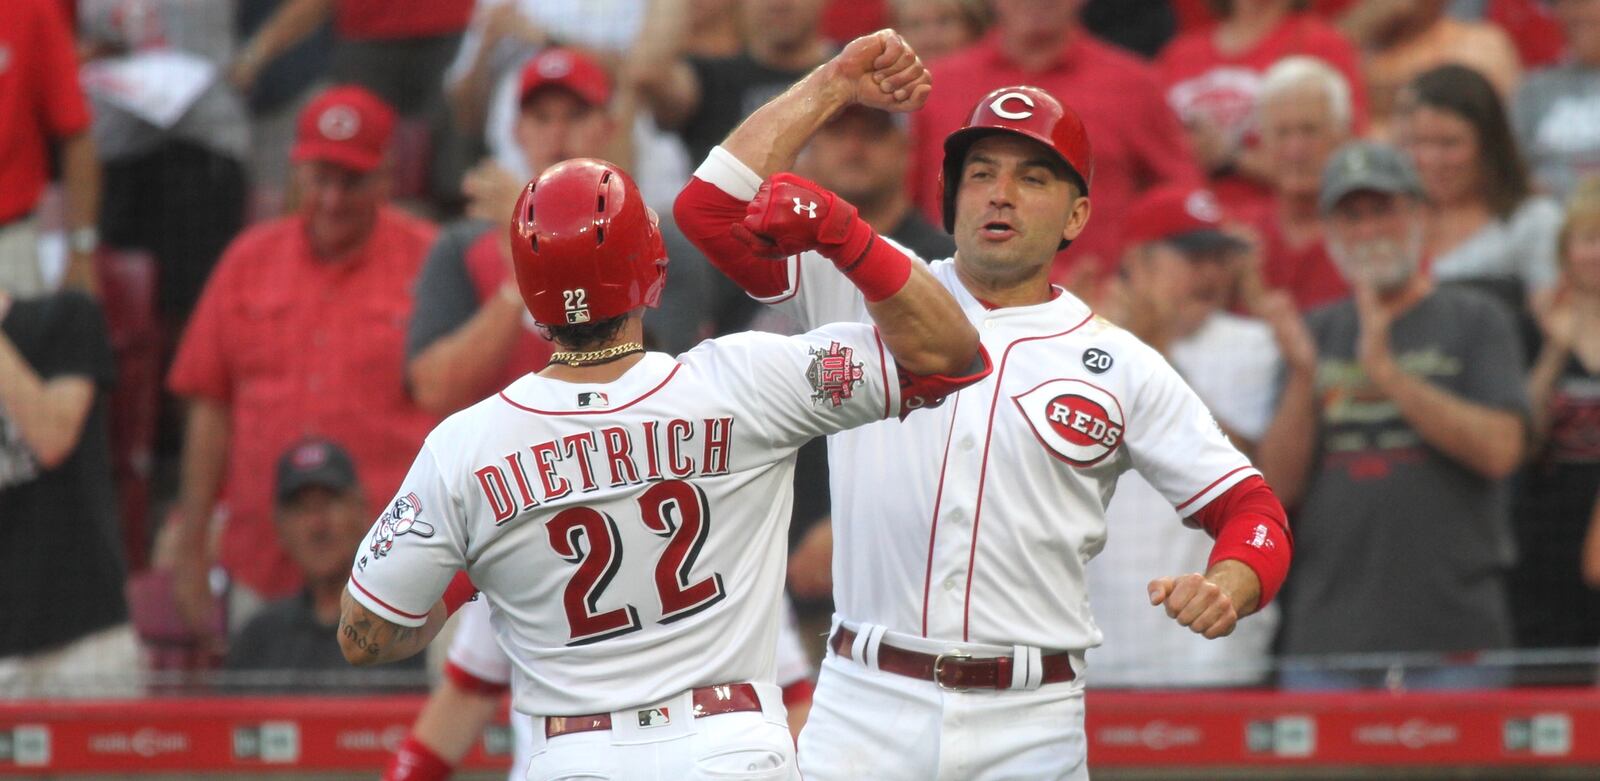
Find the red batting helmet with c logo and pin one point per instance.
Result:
(584, 246)
(1026, 111)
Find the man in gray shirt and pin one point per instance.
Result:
(1557, 110)
(1401, 416)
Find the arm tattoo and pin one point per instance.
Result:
(372, 634)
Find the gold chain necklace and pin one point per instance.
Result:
(591, 357)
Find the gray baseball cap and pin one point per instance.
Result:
(1364, 165)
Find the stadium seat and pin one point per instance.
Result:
(128, 284)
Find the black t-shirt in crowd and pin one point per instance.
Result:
(61, 569)
(731, 88)
(1553, 607)
(286, 637)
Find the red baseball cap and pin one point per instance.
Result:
(1189, 218)
(346, 125)
(570, 69)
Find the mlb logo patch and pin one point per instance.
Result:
(654, 717)
(593, 399)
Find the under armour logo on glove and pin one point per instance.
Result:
(775, 232)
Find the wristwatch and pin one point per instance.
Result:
(84, 240)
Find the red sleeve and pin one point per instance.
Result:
(201, 366)
(472, 684)
(1249, 525)
(64, 109)
(798, 692)
(704, 213)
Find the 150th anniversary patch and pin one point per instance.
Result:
(833, 376)
(1077, 422)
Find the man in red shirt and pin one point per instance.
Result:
(41, 103)
(300, 332)
(1136, 137)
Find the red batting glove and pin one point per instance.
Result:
(791, 215)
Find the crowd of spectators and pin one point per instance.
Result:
(1366, 232)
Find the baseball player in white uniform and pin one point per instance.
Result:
(624, 511)
(961, 535)
(477, 674)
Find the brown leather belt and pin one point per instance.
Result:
(954, 672)
(708, 701)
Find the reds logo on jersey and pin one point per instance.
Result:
(400, 519)
(1077, 422)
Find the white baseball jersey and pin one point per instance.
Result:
(1232, 363)
(630, 535)
(973, 522)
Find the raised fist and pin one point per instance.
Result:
(791, 215)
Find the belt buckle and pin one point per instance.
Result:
(938, 669)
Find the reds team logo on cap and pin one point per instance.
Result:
(1077, 422)
(1023, 106)
(339, 123)
(1203, 206)
(555, 65)
(310, 456)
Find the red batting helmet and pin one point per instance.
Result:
(584, 245)
(1026, 111)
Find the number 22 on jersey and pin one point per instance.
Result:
(589, 538)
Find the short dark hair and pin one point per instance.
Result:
(586, 336)
(1464, 92)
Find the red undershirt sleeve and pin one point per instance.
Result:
(705, 212)
(1250, 526)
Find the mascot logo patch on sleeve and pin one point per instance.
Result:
(402, 518)
(1077, 422)
(832, 375)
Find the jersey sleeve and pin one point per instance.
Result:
(475, 652)
(806, 287)
(798, 387)
(1176, 445)
(413, 550)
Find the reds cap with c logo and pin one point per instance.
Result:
(1188, 218)
(568, 69)
(345, 125)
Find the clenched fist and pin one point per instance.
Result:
(791, 215)
(1209, 604)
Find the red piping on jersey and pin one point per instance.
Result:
(385, 605)
(1214, 483)
(938, 497)
(983, 472)
(883, 366)
(604, 411)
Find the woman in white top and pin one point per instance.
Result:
(1485, 224)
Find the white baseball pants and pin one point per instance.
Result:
(747, 746)
(869, 724)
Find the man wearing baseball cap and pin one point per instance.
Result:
(1179, 267)
(300, 331)
(1402, 414)
(470, 336)
(321, 517)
